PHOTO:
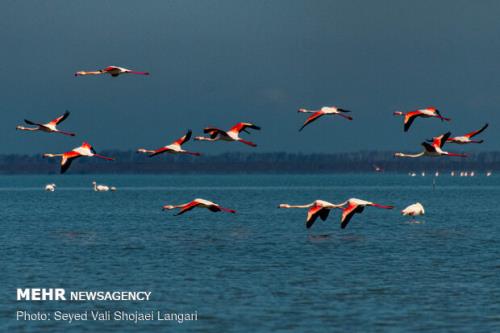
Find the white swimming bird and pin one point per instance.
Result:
(50, 187)
(102, 188)
(413, 210)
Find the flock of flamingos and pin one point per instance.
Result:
(318, 208)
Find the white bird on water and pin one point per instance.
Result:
(102, 188)
(50, 187)
(413, 210)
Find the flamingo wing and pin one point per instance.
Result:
(312, 118)
(441, 140)
(29, 122)
(60, 119)
(188, 207)
(212, 131)
(474, 133)
(428, 147)
(323, 214)
(312, 215)
(159, 151)
(348, 213)
(184, 139)
(242, 127)
(214, 208)
(409, 118)
(217, 208)
(66, 160)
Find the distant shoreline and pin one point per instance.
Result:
(129, 162)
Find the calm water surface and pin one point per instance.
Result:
(259, 270)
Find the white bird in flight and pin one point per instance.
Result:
(50, 127)
(114, 71)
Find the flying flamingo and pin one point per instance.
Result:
(464, 139)
(409, 117)
(201, 203)
(84, 150)
(174, 148)
(434, 149)
(112, 70)
(50, 127)
(356, 206)
(325, 110)
(413, 210)
(232, 135)
(317, 208)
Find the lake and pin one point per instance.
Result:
(259, 270)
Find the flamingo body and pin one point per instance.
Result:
(233, 134)
(68, 157)
(317, 208)
(434, 149)
(50, 127)
(356, 206)
(114, 71)
(467, 138)
(200, 203)
(324, 111)
(409, 117)
(173, 148)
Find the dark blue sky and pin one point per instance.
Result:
(219, 62)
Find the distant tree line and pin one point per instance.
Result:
(362, 161)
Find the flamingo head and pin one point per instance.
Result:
(284, 206)
(398, 113)
(167, 207)
(398, 154)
